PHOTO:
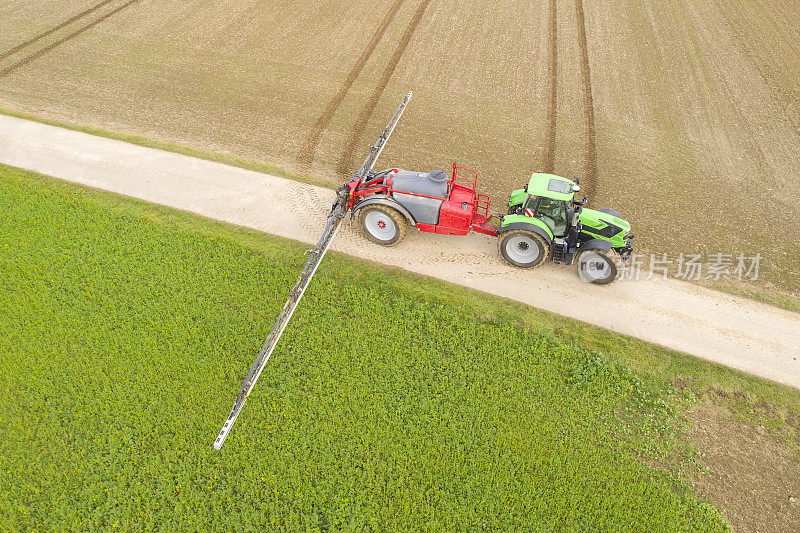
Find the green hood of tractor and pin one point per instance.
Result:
(604, 226)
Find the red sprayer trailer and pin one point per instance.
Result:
(385, 202)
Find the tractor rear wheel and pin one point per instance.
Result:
(523, 248)
(382, 225)
(597, 266)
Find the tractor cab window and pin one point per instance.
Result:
(551, 212)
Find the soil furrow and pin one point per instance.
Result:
(590, 147)
(306, 155)
(346, 160)
(54, 29)
(549, 156)
(4, 72)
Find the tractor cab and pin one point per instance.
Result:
(554, 213)
(549, 199)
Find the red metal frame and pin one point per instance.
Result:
(474, 181)
(480, 216)
(453, 218)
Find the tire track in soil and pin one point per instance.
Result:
(590, 146)
(54, 29)
(346, 160)
(306, 155)
(8, 70)
(549, 156)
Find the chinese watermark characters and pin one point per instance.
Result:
(692, 267)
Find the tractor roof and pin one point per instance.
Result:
(550, 186)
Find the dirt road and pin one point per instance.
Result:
(736, 332)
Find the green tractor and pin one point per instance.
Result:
(545, 221)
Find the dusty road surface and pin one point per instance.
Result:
(740, 333)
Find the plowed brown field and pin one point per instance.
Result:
(682, 114)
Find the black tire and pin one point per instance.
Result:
(523, 249)
(611, 212)
(382, 225)
(599, 268)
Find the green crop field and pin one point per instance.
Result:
(392, 402)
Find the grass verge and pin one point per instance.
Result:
(392, 402)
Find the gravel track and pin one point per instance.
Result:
(733, 331)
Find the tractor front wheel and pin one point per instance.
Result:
(597, 266)
(382, 225)
(523, 248)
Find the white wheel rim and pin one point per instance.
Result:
(522, 249)
(593, 267)
(380, 225)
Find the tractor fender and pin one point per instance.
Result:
(595, 244)
(526, 226)
(388, 202)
